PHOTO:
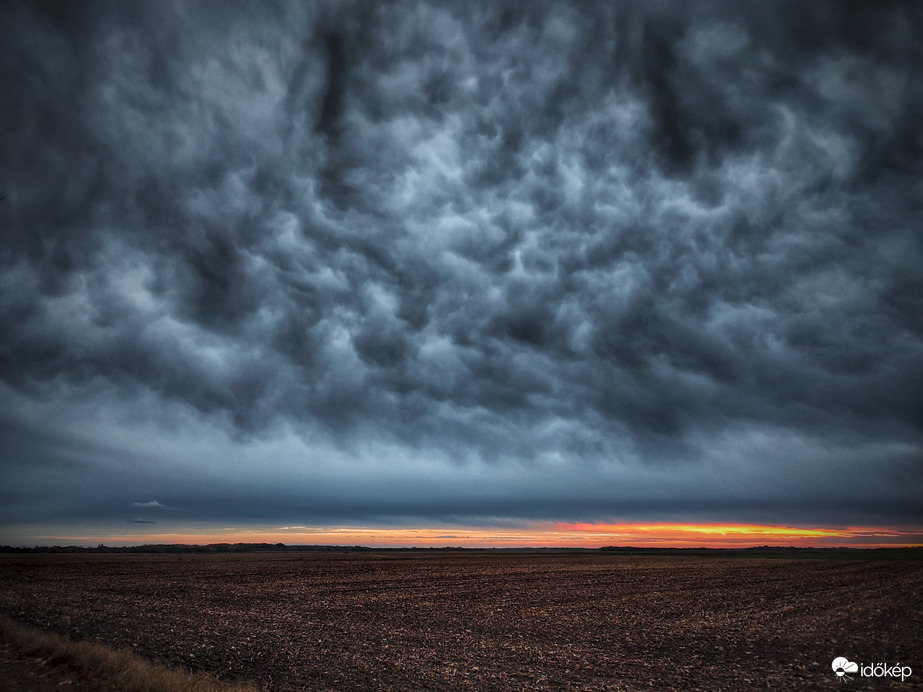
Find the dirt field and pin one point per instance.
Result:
(444, 621)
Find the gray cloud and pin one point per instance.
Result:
(153, 504)
(569, 236)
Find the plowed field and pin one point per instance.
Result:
(445, 621)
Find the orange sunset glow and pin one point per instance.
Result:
(558, 535)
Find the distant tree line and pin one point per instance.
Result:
(218, 548)
(184, 548)
(899, 553)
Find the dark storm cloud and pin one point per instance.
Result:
(567, 233)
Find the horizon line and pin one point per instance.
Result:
(330, 547)
(578, 535)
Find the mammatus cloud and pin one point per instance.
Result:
(670, 253)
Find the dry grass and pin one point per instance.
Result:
(108, 669)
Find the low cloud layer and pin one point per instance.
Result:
(415, 261)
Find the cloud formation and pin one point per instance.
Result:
(153, 504)
(668, 255)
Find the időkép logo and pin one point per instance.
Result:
(843, 667)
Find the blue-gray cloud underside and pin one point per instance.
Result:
(447, 261)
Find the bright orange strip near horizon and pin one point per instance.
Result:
(578, 535)
(741, 535)
(712, 530)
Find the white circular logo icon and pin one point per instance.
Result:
(842, 665)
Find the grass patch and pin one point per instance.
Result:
(115, 670)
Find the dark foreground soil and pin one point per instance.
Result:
(441, 621)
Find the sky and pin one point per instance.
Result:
(494, 273)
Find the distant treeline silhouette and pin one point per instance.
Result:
(184, 548)
(226, 548)
(898, 553)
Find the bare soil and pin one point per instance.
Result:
(443, 621)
